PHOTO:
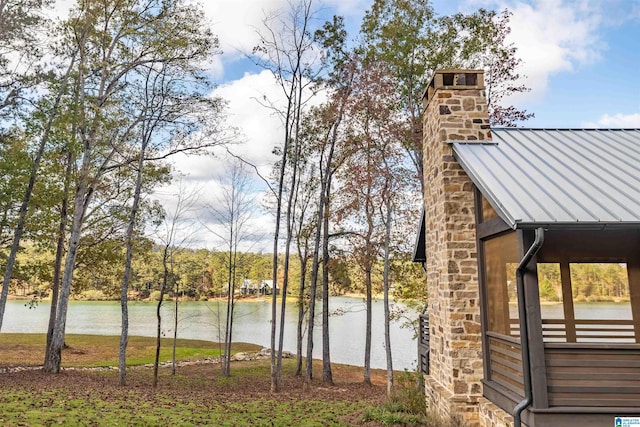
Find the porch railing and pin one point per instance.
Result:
(598, 371)
(593, 375)
(423, 343)
(585, 330)
(505, 356)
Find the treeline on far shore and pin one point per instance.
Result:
(590, 282)
(201, 274)
(198, 274)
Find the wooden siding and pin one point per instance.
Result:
(593, 376)
(506, 362)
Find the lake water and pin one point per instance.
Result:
(199, 320)
(582, 310)
(591, 310)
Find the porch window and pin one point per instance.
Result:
(488, 212)
(501, 255)
(585, 302)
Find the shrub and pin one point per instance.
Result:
(93, 295)
(580, 298)
(407, 405)
(154, 296)
(408, 393)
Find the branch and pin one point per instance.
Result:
(255, 168)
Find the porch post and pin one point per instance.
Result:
(534, 320)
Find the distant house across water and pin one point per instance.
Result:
(265, 287)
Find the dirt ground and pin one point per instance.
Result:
(250, 380)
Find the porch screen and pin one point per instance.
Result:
(501, 261)
(586, 302)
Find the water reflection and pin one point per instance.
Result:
(199, 320)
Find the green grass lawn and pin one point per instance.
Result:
(99, 350)
(54, 407)
(197, 395)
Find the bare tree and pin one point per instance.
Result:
(385, 287)
(164, 107)
(177, 232)
(286, 49)
(233, 211)
(325, 129)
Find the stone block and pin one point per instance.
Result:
(468, 104)
(460, 387)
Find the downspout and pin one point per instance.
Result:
(524, 331)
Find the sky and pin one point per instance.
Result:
(581, 59)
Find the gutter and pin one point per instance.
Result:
(524, 331)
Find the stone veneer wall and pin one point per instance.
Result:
(492, 416)
(453, 113)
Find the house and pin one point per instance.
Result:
(500, 204)
(266, 287)
(248, 287)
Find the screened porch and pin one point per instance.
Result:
(581, 296)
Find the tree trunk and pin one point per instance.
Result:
(387, 314)
(313, 290)
(367, 334)
(82, 198)
(165, 275)
(327, 375)
(283, 301)
(370, 255)
(124, 295)
(226, 353)
(57, 270)
(301, 311)
(287, 254)
(230, 309)
(233, 259)
(275, 374)
(175, 331)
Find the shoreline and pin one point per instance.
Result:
(250, 298)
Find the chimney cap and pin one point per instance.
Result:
(453, 79)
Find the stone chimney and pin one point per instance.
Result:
(455, 110)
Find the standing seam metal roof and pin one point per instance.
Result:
(558, 177)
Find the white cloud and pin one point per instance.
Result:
(553, 36)
(260, 126)
(235, 22)
(61, 8)
(260, 132)
(627, 121)
(351, 8)
(239, 23)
